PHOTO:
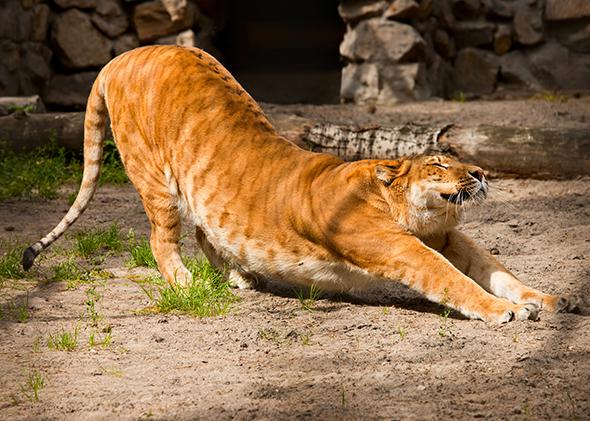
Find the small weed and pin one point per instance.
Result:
(22, 108)
(305, 339)
(91, 298)
(63, 341)
(89, 242)
(401, 332)
(386, 311)
(209, 295)
(75, 274)
(10, 264)
(22, 313)
(112, 371)
(459, 96)
(112, 169)
(445, 328)
(105, 342)
(269, 334)
(551, 96)
(141, 252)
(308, 300)
(36, 345)
(33, 384)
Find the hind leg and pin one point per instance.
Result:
(161, 207)
(235, 278)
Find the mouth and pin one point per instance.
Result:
(464, 195)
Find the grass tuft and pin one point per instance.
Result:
(141, 252)
(10, 264)
(63, 341)
(90, 242)
(33, 384)
(308, 301)
(209, 295)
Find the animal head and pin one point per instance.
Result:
(427, 193)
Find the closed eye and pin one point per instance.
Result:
(443, 166)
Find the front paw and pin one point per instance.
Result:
(515, 312)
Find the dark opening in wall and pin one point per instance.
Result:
(284, 51)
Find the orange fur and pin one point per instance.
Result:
(193, 141)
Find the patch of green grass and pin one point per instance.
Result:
(37, 173)
(209, 294)
(63, 340)
(270, 334)
(141, 252)
(90, 242)
(444, 329)
(112, 170)
(459, 96)
(33, 384)
(308, 300)
(10, 264)
(22, 108)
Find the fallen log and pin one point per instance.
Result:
(504, 151)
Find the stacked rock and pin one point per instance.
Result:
(56, 47)
(404, 50)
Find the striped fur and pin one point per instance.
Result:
(194, 142)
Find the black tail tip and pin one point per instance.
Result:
(28, 258)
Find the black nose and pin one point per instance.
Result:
(477, 174)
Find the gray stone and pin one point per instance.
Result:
(574, 35)
(15, 21)
(443, 44)
(442, 10)
(186, 38)
(440, 77)
(70, 90)
(78, 42)
(566, 9)
(503, 39)
(110, 18)
(80, 4)
(40, 22)
(352, 11)
(402, 9)
(125, 43)
(515, 68)
(382, 40)
(24, 67)
(499, 8)
(370, 83)
(9, 82)
(152, 20)
(473, 33)
(558, 68)
(476, 71)
(175, 8)
(528, 23)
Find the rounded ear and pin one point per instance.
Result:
(386, 173)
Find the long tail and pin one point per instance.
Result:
(94, 127)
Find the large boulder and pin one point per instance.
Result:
(175, 8)
(515, 68)
(70, 91)
(476, 71)
(382, 40)
(24, 68)
(559, 68)
(566, 9)
(152, 20)
(402, 10)
(372, 83)
(124, 43)
(352, 11)
(473, 33)
(110, 18)
(23, 24)
(79, 43)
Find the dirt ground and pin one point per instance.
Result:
(386, 354)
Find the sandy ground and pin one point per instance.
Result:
(385, 354)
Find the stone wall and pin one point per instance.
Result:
(402, 50)
(55, 48)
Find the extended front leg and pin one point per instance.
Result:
(488, 272)
(410, 261)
